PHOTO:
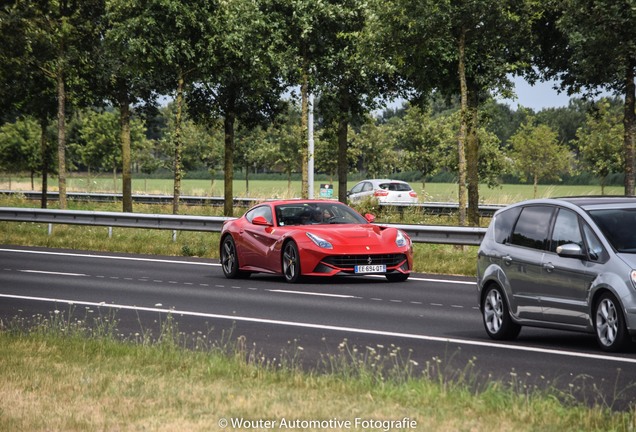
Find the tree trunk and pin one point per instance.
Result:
(463, 130)
(304, 128)
(45, 163)
(61, 139)
(536, 185)
(126, 180)
(472, 159)
(178, 147)
(629, 123)
(343, 164)
(228, 166)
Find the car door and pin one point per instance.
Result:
(523, 257)
(257, 240)
(566, 280)
(361, 190)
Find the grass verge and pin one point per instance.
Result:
(428, 258)
(63, 374)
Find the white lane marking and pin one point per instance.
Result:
(575, 354)
(111, 257)
(412, 278)
(52, 273)
(313, 294)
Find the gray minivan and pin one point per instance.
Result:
(567, 263)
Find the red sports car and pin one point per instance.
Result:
(312, 238)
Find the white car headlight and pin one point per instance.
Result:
(320, 242)
(633, 277)
(400, 239)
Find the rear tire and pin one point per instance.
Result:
(229, 259)
(291, 262)
(609, 324)
(496, 315)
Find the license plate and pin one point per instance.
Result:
(378, 268)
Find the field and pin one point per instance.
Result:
(431, 192)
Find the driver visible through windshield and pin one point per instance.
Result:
(316, 214)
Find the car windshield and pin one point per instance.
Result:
(618, 227)
(316, 214)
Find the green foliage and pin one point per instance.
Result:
(600, 140)
(538, 154)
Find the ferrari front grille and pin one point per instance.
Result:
(346, 261)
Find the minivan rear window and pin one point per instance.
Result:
(504, 221)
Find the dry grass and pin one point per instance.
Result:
(71, 383)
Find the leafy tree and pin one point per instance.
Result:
(590, 45)
(54, 42)
(350, 76)
(20, 147)
(600, 141)
(537, 153)
(240, 73)
(376, 149)
(468, 48)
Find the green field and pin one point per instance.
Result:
(431, 192)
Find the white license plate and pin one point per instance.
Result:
(378, 268)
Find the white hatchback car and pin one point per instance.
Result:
(385, 190)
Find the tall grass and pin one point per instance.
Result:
(81, 374)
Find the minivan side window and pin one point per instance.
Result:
(504, 221)
(566, 230)
(532, 227)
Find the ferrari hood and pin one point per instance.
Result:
(365, 235)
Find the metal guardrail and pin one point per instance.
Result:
(438, 208)
(418, 233)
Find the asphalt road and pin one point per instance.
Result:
(429, 323)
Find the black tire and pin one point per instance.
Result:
(290, 262)
(397, 277)
(229, 258)
(496, 315)
(609, 324)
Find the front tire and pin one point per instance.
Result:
(609, 323)
(496, 315)
(291, 262)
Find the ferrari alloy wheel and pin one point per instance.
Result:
(291, 262)
(229, 258)
(609, 324)
(496, 315)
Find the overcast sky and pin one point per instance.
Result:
(541, 95)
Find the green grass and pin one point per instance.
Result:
(58, 373)
(430, 192)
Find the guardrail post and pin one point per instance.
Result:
(174, 236)
(50, 229)
(110, 232)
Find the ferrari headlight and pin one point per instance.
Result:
(320, 242)
(400, 239)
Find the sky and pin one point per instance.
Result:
(541, 95)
